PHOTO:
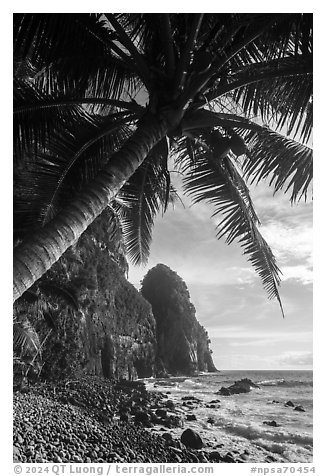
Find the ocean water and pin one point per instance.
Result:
(237, 423)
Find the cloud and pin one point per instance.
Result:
(288, 231)
(290, 242)
(300, 273)
(296, 358)
(238, 333)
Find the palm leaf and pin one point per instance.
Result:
(285, 99)
(46, 181)
(145, 194)
(269, 154)
(220, 184)
(286, 163)
(25, 339)
(44, 37)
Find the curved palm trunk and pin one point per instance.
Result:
(34, 256)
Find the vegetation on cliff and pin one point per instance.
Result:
(182, 343)
(111, 331)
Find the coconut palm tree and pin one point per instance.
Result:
(106, 104)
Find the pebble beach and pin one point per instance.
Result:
(92, 420)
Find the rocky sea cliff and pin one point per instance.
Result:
(112, 330)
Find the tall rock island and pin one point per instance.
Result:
(182, 343)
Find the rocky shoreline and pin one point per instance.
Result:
(93, 420)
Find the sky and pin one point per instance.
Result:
(246, 329)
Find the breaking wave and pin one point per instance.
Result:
(285, 383)
(253, 431)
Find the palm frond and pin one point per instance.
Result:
(145, 194)
(47, 181)
(25, 338)
(286, 163)
(286, 99)
(33, 128)
(219, 183)
(44, 37)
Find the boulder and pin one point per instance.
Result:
(299, 408)
(161, 412)
(124, 417)
(214, 456)
(191, 417)
(175, 421)
(240, 386)
(168, 437)
(143, 418)
(270, 423)
(224, 391)
(228, 458)
(191, 398)
(270, 459)
(191, 439)
(289, 404)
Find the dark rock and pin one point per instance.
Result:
(104, 418)
(124, 417)
(275, 401)
(211, 420)
(191, 439)
(271, 423)
(224, 391)
(270, 459)
(244, 456)
(169, 404)
(168, 437)
(174, 421)
(215, 401)
(190, 397)
(240, 386)
(289, 404)
(191, 417)
(160, 412)
(228, 458)
(214, 456)
(143, 418)
(299, 408)
(203, 458)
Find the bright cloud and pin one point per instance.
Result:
(237, 333)
(296, 358)
(288, 242)
(299, 272)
